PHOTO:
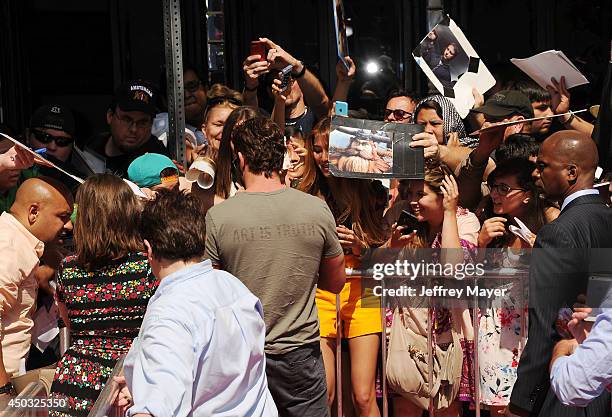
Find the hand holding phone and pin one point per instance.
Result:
(410, 223)
(285, 77)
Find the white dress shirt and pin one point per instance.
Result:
(200, 350)
(577, 194)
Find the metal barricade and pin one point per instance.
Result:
(104, 405)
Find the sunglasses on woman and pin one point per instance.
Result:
(46, 138)
(398, 114)
(504, 189)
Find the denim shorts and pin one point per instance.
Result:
(297, 382)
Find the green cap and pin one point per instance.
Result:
(146, 169)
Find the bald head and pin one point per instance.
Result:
(43, 205)
(576, 148)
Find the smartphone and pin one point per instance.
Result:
(285, 76)
(341, 108)
(410, 221)
(259, 48)
(599, 294)
(604, 191)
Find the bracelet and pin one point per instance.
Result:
(299, 74)
(572, 117)
(7, 388)
(251, 89)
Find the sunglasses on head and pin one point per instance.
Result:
(219, 100)
(45, 138)
(398, 114)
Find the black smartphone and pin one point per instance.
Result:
(410, 221)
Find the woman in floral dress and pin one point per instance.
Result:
(103, 291)
(503, 327)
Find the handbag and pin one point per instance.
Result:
(407, 367)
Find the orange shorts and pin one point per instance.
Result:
(359, 316)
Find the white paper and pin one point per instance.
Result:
(522, 231)
(550, 64)
(45, 327)
(135, 189)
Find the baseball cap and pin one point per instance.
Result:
(138, 95)
(146, 170)
(53, 116)
(505, 104)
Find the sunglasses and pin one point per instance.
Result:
(504, 189)
(46, 138)
(219, 100)
(398, 114)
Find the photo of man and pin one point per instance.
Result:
(443, 55)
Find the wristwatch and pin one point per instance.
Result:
(7, 389)
(300, 74)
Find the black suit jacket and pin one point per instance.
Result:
(561, 264)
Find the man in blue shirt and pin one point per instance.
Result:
(581, 372)
(200, 350)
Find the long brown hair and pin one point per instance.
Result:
(223, 176)
(350, 200)
(106, 226)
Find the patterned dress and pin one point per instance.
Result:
(502, 334)
(105, 308)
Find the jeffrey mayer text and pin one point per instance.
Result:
(438, 291)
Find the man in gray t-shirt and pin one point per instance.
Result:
(282, 244)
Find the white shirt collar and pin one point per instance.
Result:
(577, 194)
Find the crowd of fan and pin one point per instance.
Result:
(224, 298)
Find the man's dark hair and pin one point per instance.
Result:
(262, 144)
(174, 226)
(398, 92)
(533, 91)
(517, 146)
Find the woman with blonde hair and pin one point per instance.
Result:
(103, 290)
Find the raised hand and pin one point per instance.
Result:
(560, 97)
(428, 142)
(253, 68)
(450, 191)
(398, 239)
(277, 56)
(492, 228)
(343, 74)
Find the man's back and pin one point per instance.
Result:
(211, 329)
(564, 256)
(274, 242)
